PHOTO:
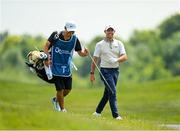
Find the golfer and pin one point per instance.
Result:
(62, 46)
(110, 52)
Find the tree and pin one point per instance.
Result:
(170, 26)
(171, 55)
(147, 59)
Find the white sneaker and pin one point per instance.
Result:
(96, 114)
(64, 110)
(56, 104)
(118, 118)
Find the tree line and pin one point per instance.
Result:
(152, 54)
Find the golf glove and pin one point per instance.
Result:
(113, 60)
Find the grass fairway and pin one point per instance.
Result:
(143, 106)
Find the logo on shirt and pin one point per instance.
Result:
(59, 51)
(56, 36)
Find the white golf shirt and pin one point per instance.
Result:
(107, 51)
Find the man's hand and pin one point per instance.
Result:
(113, 60)
(47, 62)
(83, 53)
(92, 78)
(86, 52)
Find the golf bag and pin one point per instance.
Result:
(36, 64)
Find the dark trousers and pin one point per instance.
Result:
(111, 76)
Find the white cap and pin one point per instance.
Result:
(108, 27)
(70, 26)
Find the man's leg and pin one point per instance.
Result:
(60, 98)
(67, 81)
(59, 84)
(112, 96)
(113, 104)
(66, 92)
(109, 75)
(102, 102)
(104, 99)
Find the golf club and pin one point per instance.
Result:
(99, 71)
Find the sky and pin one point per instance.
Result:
(91, 16)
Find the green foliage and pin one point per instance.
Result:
(14, 50)
(149, 38)
(145, 57)
(152, 54)
(171, 55)
(170, 26)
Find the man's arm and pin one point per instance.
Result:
(79, 50)
(93, 66)
(46, 50)
(122, 58)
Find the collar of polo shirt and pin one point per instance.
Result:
(108, 40)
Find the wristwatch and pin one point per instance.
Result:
(91, 73)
